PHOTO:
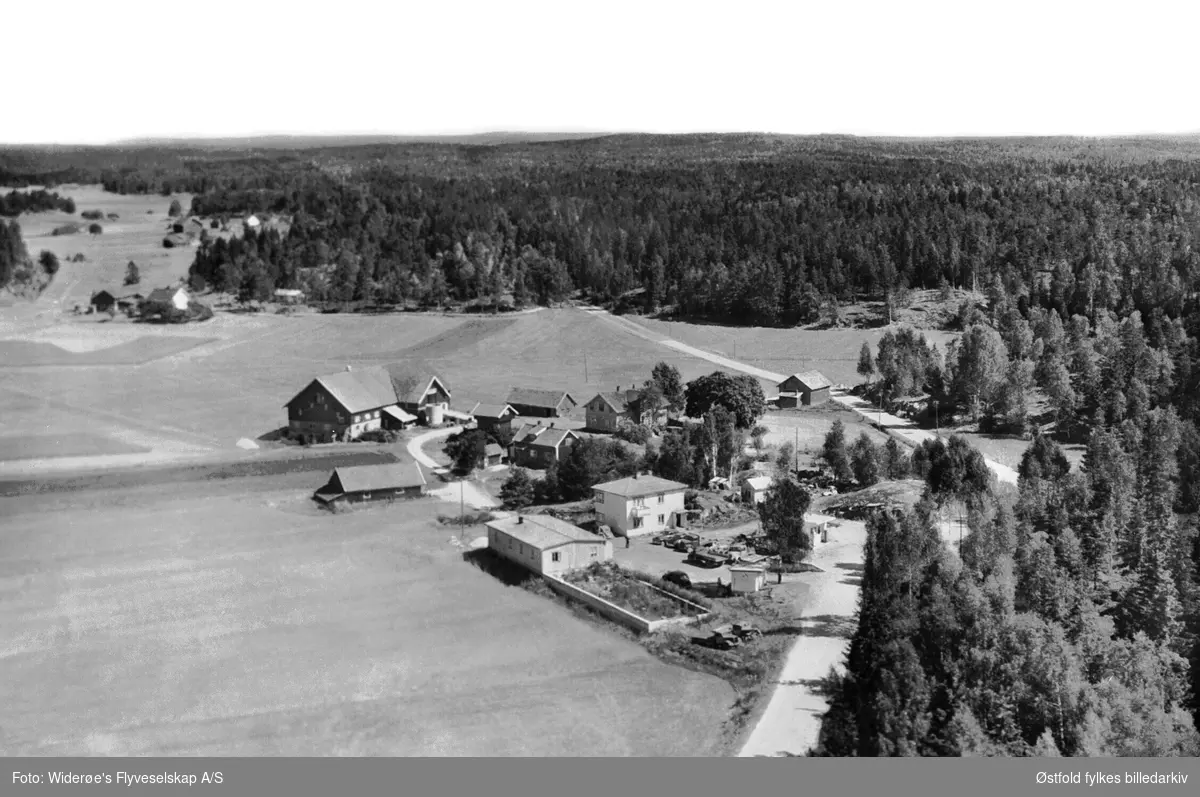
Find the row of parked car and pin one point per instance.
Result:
(704, 553)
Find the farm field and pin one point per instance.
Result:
(236, 619)
(218, 392)
(833, 352)
(135, 235)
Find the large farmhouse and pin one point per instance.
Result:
(606, 410)
(537, 446)
(342, 406)
(174, 297)
(373, 483)
(807, 388)
(640, 504)
(546, 545)
(534, 403)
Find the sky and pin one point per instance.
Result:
(97, 72)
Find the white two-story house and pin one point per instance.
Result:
(640, 504)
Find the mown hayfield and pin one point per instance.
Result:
(135, 235)
(54, 444)
(252, 624)
(833, 352)
(237, 387)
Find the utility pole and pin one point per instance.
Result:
(462, 513)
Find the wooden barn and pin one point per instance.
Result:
(373, 483)
(535, 403)
(494, 417)
(103, 301)
(804, 389)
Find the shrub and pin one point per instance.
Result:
(95, 229)
(378, 436)
(49, 262)
(92, 215)
(65, 229)
(634, 433)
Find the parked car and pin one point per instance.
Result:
(745, 631)
(661, 539)
(678, 578)
(723, 638)
(702, 559)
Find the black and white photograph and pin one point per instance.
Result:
(636, 380)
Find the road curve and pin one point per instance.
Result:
(416, 445)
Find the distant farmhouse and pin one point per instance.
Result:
(546, 545)
(289, 296)
(173, 297)
(538, 446)
(640, 504)
(494, 417)
(754, 490)
(606, 410)
(533, 403)
(807, 388)
(373, 483)
(103, 301)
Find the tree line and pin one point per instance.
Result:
(14, 203)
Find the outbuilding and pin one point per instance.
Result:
(804, 389)
(745, 580)
(754, 489)
(546, 545)
(373, 483)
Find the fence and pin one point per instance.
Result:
(624, 616)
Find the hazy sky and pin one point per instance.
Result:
(110, 69)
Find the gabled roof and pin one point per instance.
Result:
(542, 531)
(102, 296)
(533, 397)
(542, 436)
(492, 449)
(357, 390)
(757, 483)
(497, 411)
(164, 294)
(811, 380)
(412, 385)
(366, 478)
(637, 486)
(288, 292)
(615, 400)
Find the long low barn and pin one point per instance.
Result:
(373, 483)
(546, 545)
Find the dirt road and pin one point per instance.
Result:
(903, 428)
(792, 720)
(417, 444)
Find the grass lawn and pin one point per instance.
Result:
(236, 619)
(37, 446)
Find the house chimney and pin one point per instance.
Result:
(348, 369)
(520, 519)
(618, 388)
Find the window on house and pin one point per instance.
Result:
(637, 522)
(661, 519)
(661, 498)
(554, 557)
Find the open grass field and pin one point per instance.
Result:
(806, 429)
(80, 444)
(135, 235)
(245, 622)
(833, 352)
(218, 392)
(28, 353)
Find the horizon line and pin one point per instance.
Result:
(579, 133)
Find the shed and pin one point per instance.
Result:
(395, 418)
(289, 296)
(810, 387)
(493, 455)
(754, 490)
(493, 417)
(373, 483)
(103, 301)
(744, 580)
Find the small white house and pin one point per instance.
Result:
(546, 545)
(754, 490)
(253, 222)
(640, 504)
(744, 580)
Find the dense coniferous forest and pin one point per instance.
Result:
(1068, 623)
(17, 202)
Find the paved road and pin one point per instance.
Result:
(903, 428)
